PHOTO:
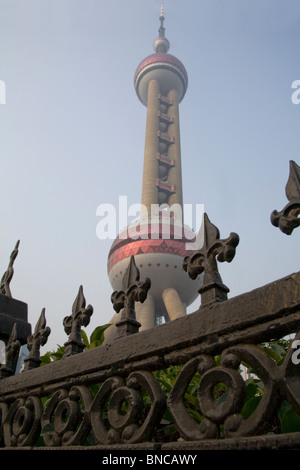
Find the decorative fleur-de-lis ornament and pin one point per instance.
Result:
(8, 275)
(205, 260)
(72, 324)
(289, 217)
(35, 341)
(133, 291)
(12, 350)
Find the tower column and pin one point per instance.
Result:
(173, 304)
(150, 173)
(174, 177)
(145, 313)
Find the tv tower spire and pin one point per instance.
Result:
(163, 75)
(160, 83)
(162, 15)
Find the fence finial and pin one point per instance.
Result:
(8, 275)
(213, 290)
(288, 218)
(35, 341)
(80, 317)
(133, 291)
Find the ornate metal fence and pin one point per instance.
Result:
(110, 397)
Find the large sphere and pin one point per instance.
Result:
(166, 69)
(158, 258)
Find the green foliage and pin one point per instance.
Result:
(277, 349)
(289, 419)
(253, 396)
(96, 339)
(52, 356)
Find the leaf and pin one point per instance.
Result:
(191, 399)
(46, 359)
(194, 384)
(98, 334)
(165, 384)
(196, 415)
(290, 421)
(85, 338)
(250, 406)
(251, 391)
(167, 418)
(276, 351)
(57, 355)
(284, 407)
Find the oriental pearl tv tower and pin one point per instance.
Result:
(161, 240)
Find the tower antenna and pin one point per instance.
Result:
(162, 9)
(162, 18)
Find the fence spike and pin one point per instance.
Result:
(288, 219)
(205, 260)
(73, 323)
(35, 341)
(134, 291)
(8, 275)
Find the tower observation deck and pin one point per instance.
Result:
(160, 82)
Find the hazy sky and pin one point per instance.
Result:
(72, 135)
